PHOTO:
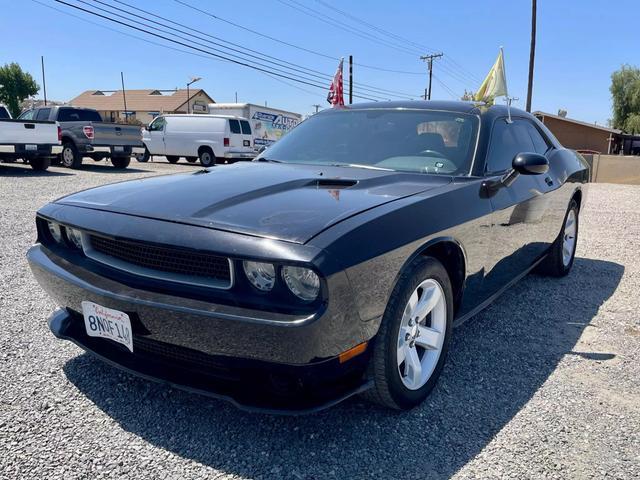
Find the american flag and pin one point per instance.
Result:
(336, 91)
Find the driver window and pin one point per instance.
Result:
(157, 125)
(28, 115)
(507, 140)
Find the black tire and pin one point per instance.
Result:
(389, 389)
(173, 159)
(70, 157)
(121, 162)
(554, 264)
(98, 158)
(192, 159)
(40, 164)
(144, 158)
(207, 157)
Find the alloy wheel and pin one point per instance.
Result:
(421, 334)
(569, 238)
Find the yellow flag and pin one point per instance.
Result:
(495, 85)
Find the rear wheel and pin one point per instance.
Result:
(121, 162)
(173, 159)
(412, 343)
(207, 158)
(40, 164)
(560, 258)
(70, 156)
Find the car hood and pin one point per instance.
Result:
(290, 202)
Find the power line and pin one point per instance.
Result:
(288, 44)
(157, 44)
(289, 65)
(343, 26)
(455, 65)
(453, 94)
(223, 57)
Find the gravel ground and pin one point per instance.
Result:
(544, 383)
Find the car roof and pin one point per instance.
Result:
(487, 112)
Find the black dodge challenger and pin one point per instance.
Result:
(336, 263)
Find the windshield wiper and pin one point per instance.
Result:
(360, 165)
(265, 159)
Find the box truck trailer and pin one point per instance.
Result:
(267, 124)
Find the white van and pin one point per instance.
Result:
(209, 138)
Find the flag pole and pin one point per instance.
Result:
(504, 79)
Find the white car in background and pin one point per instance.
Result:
(209, 138)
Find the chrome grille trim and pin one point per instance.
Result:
(139, 270)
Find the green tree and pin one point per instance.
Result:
(15, 86)
(625, 92)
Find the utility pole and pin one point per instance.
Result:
(532, 53)
(316, 106)
(429, 59)
(350, 79)
(124, 98)
(44, 82)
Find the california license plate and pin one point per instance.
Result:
(118, 149)
(108, 323)
(31, 147)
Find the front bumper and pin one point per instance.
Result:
(258, 361)
(247, 155)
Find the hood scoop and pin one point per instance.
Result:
(333, 183)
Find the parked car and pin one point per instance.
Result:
(84, 134)
(209, 138)
(338, 262)
(34, 142)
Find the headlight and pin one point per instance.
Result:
(261, 275)
(55, 231)
(303, 282)
(75, 237)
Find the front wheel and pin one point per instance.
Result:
(145, 156)
(412, 343)
(70, 156)
(121, 162)
(559, 260)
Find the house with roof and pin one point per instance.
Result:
(142, 105)
(588, 137)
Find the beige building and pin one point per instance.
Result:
(142, 105)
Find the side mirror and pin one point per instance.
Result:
(530, 164)
(526, 163)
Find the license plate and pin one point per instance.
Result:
(31, 147)
(108, 323)
(118, 149)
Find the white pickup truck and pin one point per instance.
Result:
(34, 141)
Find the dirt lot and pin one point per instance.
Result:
(544, 383)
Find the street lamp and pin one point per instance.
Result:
(193, 80)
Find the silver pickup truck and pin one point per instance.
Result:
(33, 141)
(84, 134)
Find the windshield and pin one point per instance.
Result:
(422, 141)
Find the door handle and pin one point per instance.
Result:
(549, 181)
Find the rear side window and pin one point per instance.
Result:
(28, 115)
(539, 142)
(246, 128)
(234, 125)
(43, 114)
(508, 140)
(4, 114)
(78, 115)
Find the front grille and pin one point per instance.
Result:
(184, 266)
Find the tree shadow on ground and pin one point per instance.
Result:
(497, 362)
